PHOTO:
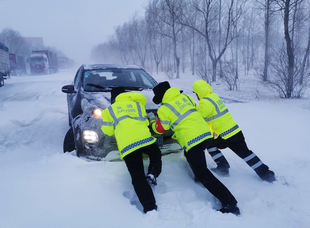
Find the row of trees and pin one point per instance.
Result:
(14, 41)
(216, 38)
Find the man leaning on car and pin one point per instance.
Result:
(125, 114)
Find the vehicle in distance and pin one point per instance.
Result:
(4, 63)
(43, 62)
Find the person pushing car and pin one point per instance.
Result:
(226, 133)
(126, 118)
(178, 112)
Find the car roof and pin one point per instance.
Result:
(108, 66)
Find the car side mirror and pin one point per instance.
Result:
(68, 89)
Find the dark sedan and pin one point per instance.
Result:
(90, 93)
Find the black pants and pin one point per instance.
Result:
(134, 163)
(238, 145)
(197, 161)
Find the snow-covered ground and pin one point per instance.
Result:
(40, 186)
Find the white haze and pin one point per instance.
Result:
(73, 27)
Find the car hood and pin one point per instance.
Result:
(103, 99)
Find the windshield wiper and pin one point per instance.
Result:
(138, 88)
(108, 88)
(95, 85)
(100, 87)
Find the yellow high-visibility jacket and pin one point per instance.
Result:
(127, 119)
(178, 112)
(214, 111)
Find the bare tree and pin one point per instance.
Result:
(192, 50)
(229, 75)
(289, 48)
(167, 20)
(14, 41)
(184, 49)
(202, 66)
(156, 40)
(215, 27)
(303, 64)
(122, 41)
(139, 39)
(305, 30)
(283, 81)
(267, 39)
(268, 8)
(290, 76)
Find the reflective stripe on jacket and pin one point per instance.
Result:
(214, 111)
(127, 119)
(178, 112)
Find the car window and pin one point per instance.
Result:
(77, 78)
(146, 80)
(104, 80)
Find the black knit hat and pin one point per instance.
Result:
(115, 92)
(159, 91)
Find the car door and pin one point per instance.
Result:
(74, 99)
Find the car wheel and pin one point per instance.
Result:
(69, 143)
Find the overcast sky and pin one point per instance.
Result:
(72, 26)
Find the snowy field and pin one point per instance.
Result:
(41, 187)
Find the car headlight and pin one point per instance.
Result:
(90, 136)
(90, 109)
(97, 113)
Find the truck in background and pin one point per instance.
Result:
(4, 63)
(43, 62)
(17, 64)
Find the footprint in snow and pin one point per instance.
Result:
(133, 198)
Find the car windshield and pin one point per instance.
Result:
(106, 79)
(37, 60)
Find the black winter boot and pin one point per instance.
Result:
(230, 209)
(260, 168)
(145, 210)
(151, 179)
(222, 170)
(222, 164)
(268, 176)
(151, 176)
(265, 173)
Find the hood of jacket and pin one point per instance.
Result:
(202, 88)
(171, 93)
(131, 96)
